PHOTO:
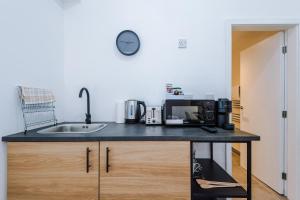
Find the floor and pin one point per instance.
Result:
(260, 190)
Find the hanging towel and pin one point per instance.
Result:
(36, 95)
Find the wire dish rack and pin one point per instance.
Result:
(35, 115)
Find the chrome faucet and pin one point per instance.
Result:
(88, 114)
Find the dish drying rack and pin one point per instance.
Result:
(37, 114)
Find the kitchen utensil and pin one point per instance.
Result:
(133, 113)
(204, 186)
(217, 183)
(38, 107)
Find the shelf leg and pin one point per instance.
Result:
(249, 171)
(212, 151)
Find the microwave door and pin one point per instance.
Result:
(193, 118)
(188, 117)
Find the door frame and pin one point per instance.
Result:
(261, 172)
(271, 24)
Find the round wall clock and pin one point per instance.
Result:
(128, 42)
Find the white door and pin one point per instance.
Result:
(262, 101)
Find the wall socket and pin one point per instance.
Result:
(182, 43)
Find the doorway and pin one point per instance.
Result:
(258, 96)
(291, 27)
(292, 140)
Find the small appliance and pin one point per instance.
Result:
(153, 115)
(133, 111)
(190, 112)
(224, 108)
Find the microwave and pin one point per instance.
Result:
(190, 112)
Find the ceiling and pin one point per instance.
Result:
(244, 39)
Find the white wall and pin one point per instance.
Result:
(31, 54)
(31, 51)
(91, 58)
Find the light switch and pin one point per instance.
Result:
(182, 43)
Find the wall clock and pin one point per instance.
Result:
(128, 42)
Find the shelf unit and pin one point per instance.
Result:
(212, 171)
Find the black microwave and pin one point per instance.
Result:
(190, 112)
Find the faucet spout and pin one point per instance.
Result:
(88, 114)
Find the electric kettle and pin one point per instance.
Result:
(133, 113)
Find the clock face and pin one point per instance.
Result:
(128, 42)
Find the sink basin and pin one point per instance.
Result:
(73, 128)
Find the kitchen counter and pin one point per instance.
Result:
(137, 132)
(122, 153)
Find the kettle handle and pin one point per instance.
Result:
(144, 105)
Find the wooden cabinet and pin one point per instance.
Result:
(76, 171)
(145, 171)
(53, 171)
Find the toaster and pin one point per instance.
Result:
(153, 115)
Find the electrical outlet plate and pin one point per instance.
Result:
(182, 43)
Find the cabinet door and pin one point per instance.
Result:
(145, 171)
(53, 171)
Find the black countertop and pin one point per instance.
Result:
(137, 132)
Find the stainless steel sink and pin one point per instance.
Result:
(73, 128)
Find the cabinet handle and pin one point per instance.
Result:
(107, 160)
(88, 165)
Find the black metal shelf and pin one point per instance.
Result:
(212, 171)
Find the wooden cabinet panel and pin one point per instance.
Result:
(52, 171)
(145, 171)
